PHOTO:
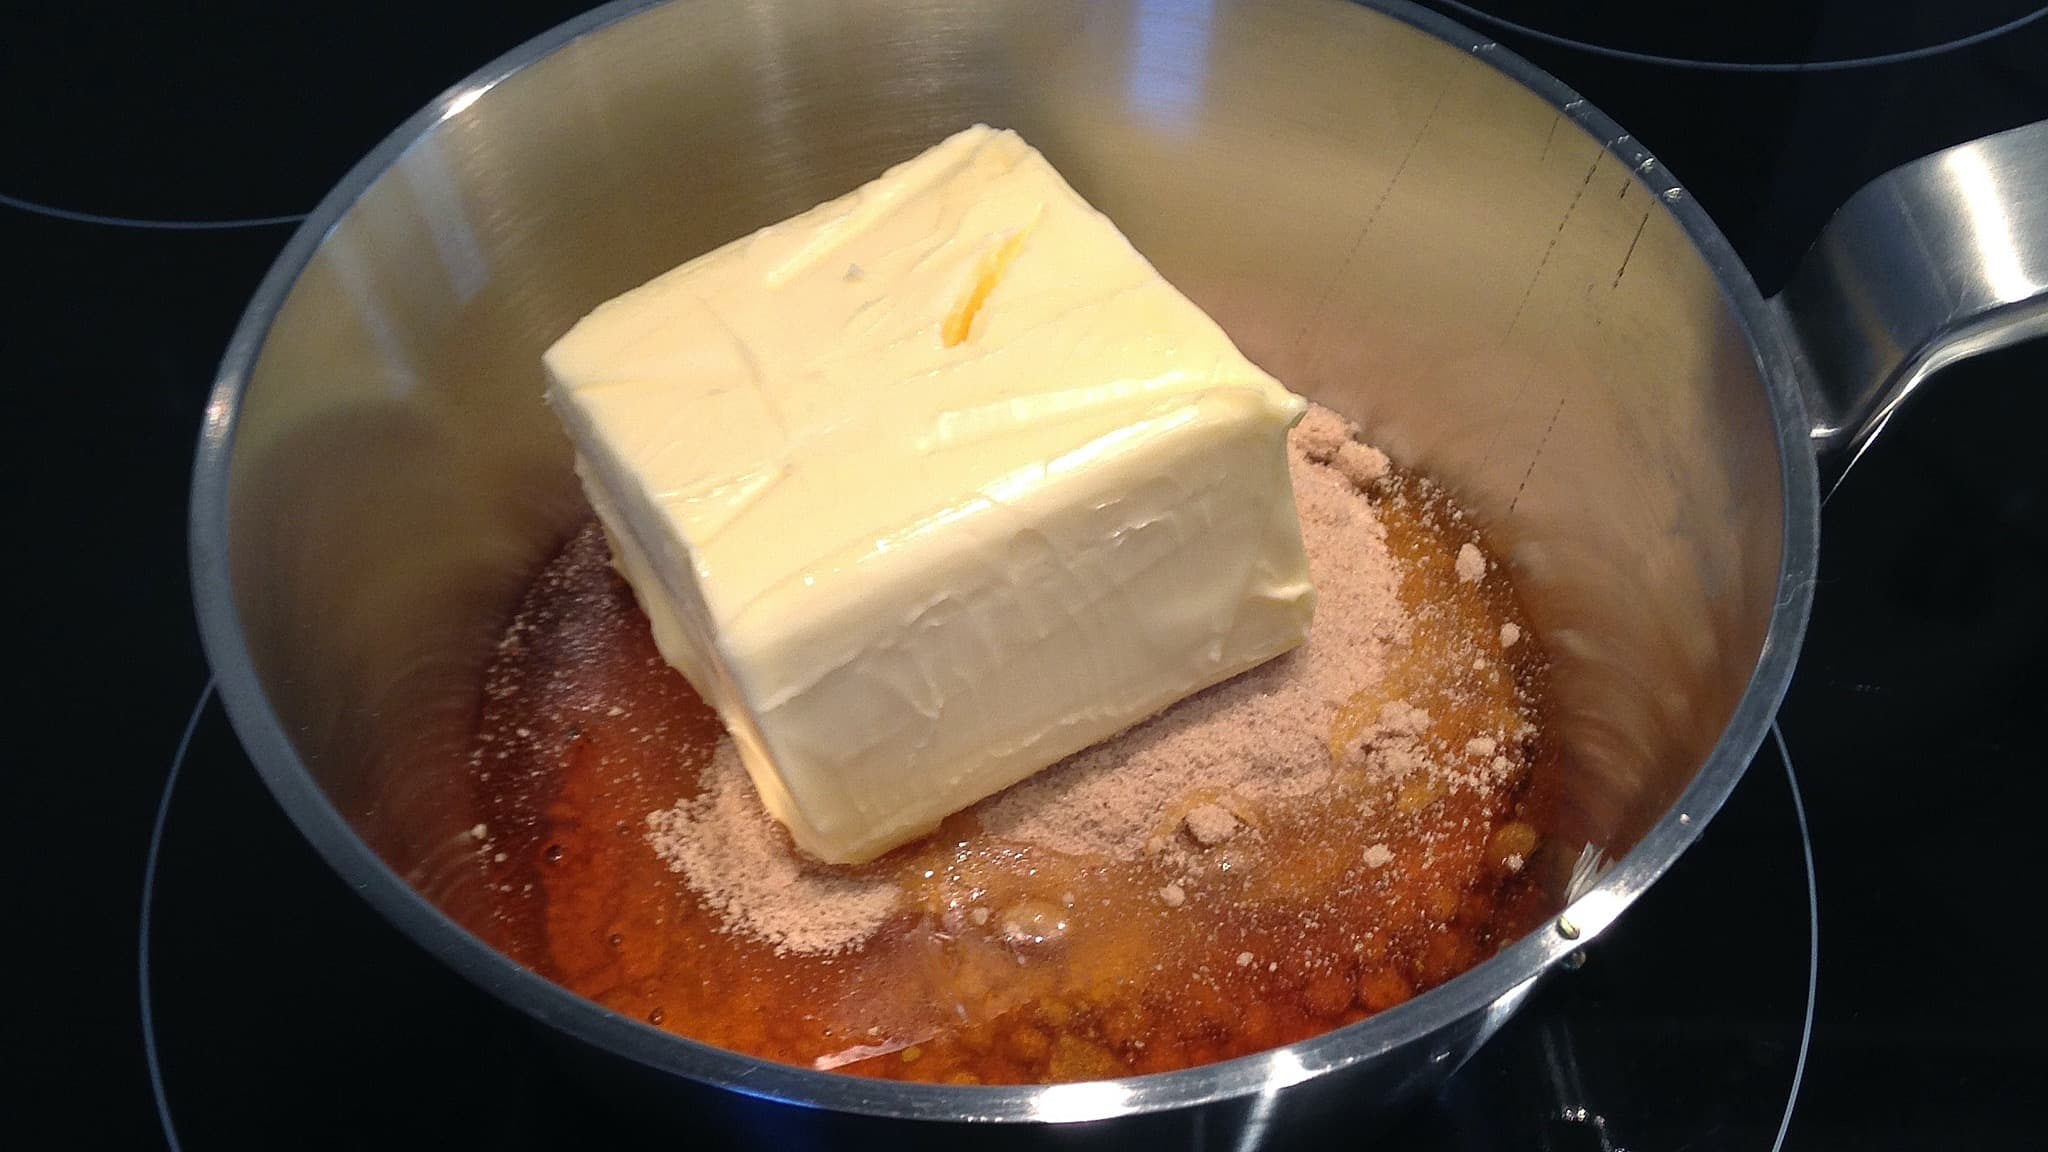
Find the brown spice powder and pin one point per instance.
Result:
(1259, 738)
(743, 864)
(1218, 757)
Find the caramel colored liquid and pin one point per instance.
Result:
(1084, 971)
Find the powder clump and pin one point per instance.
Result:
(1471, 563)
(1362, 464)
(1320, 435)
(1211, 824)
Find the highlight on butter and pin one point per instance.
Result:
(932, 486)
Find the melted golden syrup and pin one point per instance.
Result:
(1085, 971)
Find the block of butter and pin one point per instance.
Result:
(932, 486)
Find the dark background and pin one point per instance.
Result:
(1909, 721)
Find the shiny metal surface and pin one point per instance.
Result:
(1390, 213)
(1930, 263)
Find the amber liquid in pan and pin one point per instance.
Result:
(585, 731)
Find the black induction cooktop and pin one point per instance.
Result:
(1838, 963)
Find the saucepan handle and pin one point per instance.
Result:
(1933, 262)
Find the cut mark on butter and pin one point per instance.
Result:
(988, 273)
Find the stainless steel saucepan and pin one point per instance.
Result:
(1392, 214)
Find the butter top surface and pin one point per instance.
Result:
(942, 333)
